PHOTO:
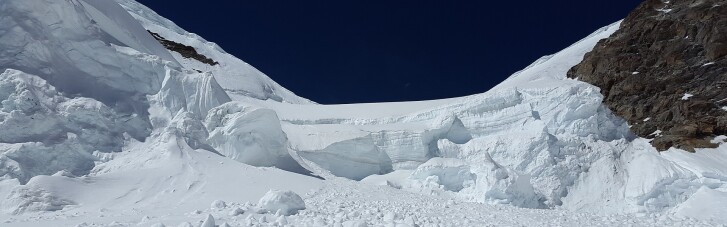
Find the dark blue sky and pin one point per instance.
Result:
(376, 51)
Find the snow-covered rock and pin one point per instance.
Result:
(285, 202)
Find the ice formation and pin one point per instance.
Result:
(285, 202)
(97, 118)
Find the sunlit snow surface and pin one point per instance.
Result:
(101, 127)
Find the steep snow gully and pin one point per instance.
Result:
(100, 125)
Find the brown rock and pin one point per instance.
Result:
(677, 47)
(184, 50)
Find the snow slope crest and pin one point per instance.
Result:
(239, 79)
(75, 48)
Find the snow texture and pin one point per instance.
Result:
(40, 125)
(285, 202)
(80, 51)
(101, 126)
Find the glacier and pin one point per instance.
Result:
(101, 121)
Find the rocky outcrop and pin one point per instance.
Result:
(184, 50)
(665, 71)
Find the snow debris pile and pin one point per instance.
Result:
(285, 202)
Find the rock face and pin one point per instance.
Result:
(665, 72)
(184, 50)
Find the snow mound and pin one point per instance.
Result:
(30, 199)
(40, 194)
(285, 202)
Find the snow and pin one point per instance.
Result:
(115, 21)
(218, 204)
(209, 221)
(82, 57)
(239, 79)
(128, 136)
(285, 202)
(191, 92)
(656, 133)
(451, 174)
(39, 125)
(719, 139)
(249, 135)
(705, 204)
(687, 96)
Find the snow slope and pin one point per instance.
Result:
(101, 127)
(238, 78)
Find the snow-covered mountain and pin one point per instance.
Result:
(103, 125)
